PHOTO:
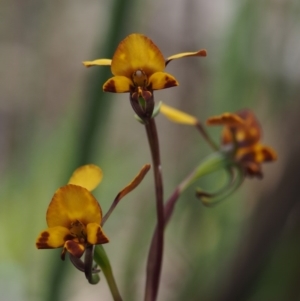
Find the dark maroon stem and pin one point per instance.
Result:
(168, 212)
(155, 255)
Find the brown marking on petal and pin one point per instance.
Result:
(170, 82)
(202, 52)
(101, 237)
(247, 155)
(74, 248)
(110, 86)
(42, 241)
(68, 237)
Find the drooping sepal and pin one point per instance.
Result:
(177, 115)
(74, 248)
(128, 188)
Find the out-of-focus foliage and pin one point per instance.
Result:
(55, 117)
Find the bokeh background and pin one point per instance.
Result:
(54, 117)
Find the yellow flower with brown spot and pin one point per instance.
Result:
(74, 216)
(138, 68)
(242, 134)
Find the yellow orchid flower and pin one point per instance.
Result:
(74, 216)
(138, 68)
(242, 132)
(138, 65)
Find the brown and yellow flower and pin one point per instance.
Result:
(241, 135)
(74, 216)
(138, 65)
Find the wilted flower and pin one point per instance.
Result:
(241, 135)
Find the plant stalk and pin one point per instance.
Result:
(155, 255)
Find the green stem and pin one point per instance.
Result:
(102, 260)
(155, 255)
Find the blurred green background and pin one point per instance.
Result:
(54, 117)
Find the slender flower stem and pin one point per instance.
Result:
(155, 255)
(169, 207)
(205, 135)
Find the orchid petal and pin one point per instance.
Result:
(227, 119)
(177, 115)
(162, 80)
(95, 234)
(137, 52)
(74, 248)
(118, 84)
(99, 62)
(73, 203)
(201, 52)
(87, 176)
(258, 153)
(54, 237)
(135, 182)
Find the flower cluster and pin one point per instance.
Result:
(74, 217)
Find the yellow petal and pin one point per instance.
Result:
(87, 176)
(201, 52)
(73, 247)
(72, 203)
(95, 234)
(162, 80)
(118, 84)
(227, 119)
(177, 115)
(100, 62)
(137, 52)
(53, 238)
